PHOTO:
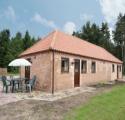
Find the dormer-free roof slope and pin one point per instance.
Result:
(62, 42)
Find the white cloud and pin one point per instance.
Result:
(86, 17)
(111, 9)
(69, 27)
(10, 13)
(43, 21)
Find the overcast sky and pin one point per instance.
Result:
(40, 17)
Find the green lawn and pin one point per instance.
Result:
(108, 106)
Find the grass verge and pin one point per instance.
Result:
(107, 106)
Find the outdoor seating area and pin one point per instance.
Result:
(17, 84)
(19, 95)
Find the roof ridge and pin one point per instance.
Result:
(53, 40)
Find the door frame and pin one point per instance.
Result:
(118, 70)
(77, 77)
(27, 68)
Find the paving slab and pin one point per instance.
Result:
(6, 98)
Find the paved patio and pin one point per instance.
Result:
(7, 98)
(38, 95)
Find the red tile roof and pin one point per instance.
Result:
(66, 43)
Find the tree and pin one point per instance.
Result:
(4, 48)
(105, 40)
(16, 45)
(96, 35)
(10, 48)
(26, 40)
(119, 38)
(85, 32)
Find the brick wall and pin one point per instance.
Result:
(66, 80)
(41, 67)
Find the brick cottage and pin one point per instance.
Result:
(61, 61)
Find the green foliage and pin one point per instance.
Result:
(101, 37)
(16, 45)
(96, 35)
(119, 38)
(10, 48)
(27, 41)
(119, 33)
(105, 41)
(108, 106)
(4, 48)
(89, 32)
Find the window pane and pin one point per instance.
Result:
(83, 66)
(120, 69)
(93, 67)
(64, 65)
(113, 68)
